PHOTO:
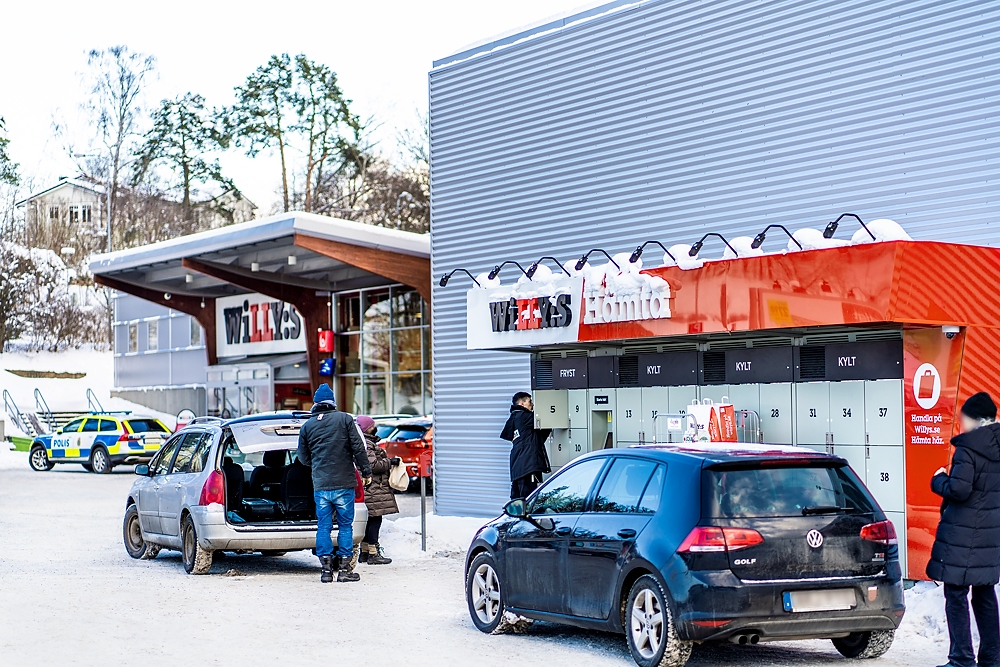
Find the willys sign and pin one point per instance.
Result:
(553, 310)
(255, 324)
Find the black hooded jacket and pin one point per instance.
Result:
(528, 455)
(967, 548)
(332, 445)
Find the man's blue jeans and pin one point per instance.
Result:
(340, 501)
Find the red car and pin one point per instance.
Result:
(408, 440)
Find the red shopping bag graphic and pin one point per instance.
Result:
(727, 423)
(714, 433)
(926, 388)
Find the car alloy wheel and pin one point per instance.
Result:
(647, 624)
(39, 460)
(486, 593)
(99, 461)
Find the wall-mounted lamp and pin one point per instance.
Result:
(496, 269)
(637, 253)
(255, 267)
(831, 228)
(188, 278)
(292, 260)
(696, 248)
(446, 277)
(758, 240)
(583, 260)
(166, 296)
(534, 267)
(202, 303)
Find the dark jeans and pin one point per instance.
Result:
(521, 488)
(371, 532)
(984, 606)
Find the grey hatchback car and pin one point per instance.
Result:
(227, 486)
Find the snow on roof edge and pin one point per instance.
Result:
(264, 229)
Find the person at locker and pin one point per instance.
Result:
(528, 459)
(966, 552)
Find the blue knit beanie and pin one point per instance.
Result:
(324, 393)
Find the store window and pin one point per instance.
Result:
(195, 333)
(152, 335)
(383, 355)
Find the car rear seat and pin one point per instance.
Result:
(266, 480)
(297, 491)
(234, 484)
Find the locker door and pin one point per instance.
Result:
(579, 411)
(885, 477)
(847, 414)
(745, 396)
(899, 522)
(559, 448)
(855, 455)
(678, 398)
(812, 414)
(654, 401)
(884, 412)
(715, 392)
(776, 412)
(578, 442)
(551, 408)
(629, 415)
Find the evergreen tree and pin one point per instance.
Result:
(182, 136)
(8, 168)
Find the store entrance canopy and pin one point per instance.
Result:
(295, 258)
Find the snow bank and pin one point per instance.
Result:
(684, 261)
(883, 229)
(813, 239)
(743, 245)
(447, 536)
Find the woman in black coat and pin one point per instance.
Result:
(966, 551)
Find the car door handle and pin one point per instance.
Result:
(627, 533)
(563, 531)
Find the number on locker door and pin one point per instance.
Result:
(884, 412)
(776, 413)
(629, 415)
(847, 413)
(812, 413)
(885, 477)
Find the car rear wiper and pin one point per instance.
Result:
(823, 509)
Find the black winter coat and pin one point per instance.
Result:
(332, 445)
(967, 548)
(378, 495)
(528, 454)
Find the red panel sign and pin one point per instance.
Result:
(326, 341)
(931, 367)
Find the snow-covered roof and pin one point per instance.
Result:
(586, 12)
(261, 231)
(80, 183)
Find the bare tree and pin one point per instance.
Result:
(118, 78)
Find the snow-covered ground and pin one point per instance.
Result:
(65, 394)
(69, 595)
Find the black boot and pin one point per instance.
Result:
(327, 563)
(363, 558)
(347, 573)
(376, 556)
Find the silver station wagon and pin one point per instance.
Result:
(228, 486)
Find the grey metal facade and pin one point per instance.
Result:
(666, 119)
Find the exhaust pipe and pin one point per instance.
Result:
(743, 640)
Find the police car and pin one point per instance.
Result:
(99, 441)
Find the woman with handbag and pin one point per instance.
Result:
(379, 497)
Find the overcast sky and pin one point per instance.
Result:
(381, 50)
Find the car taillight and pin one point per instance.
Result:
(710, 539)
(882, 532)
(359, 488)
(214, 490)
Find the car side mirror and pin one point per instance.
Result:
(515, 508)
(142, 469)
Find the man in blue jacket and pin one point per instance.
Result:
(528, 458)
(332, 445)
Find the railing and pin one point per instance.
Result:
(93, 404)
(10, 407)
(42, 408)
(671, 427)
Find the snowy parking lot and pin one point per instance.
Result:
(69, 594)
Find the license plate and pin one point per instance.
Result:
(840, 599)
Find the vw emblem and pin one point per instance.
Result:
(814, 538)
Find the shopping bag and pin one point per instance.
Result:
(727, 422)
(707, 419)
(926, 388)
(399, 478)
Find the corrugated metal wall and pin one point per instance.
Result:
(671, 118)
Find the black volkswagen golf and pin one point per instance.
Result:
(677, 545)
